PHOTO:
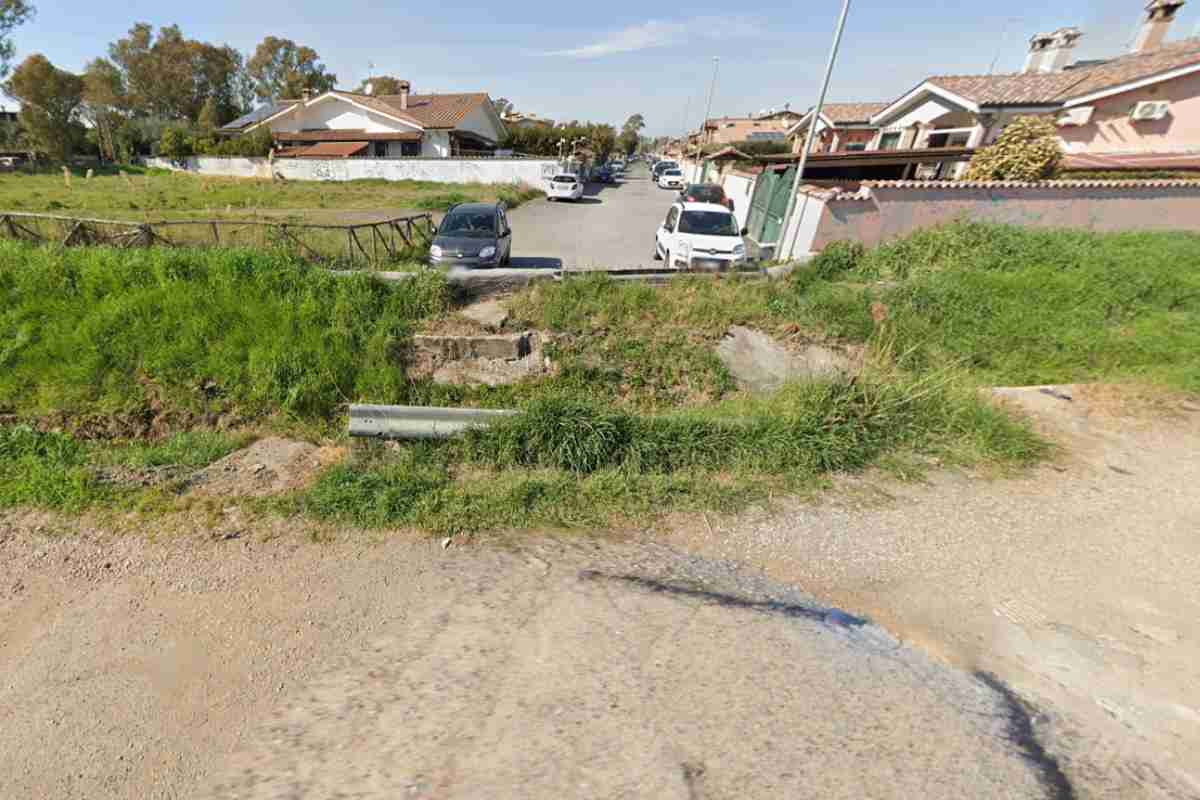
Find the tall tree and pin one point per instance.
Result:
(50, 100)
(503, 106)
(103, 104)
(12, 14)
(281, 68)
(381, 85)
(171, 77)
(630, 134)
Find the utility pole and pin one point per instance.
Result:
(704, 123)
(812, 127)
(687, 107)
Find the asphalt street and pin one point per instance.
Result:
(611, 227)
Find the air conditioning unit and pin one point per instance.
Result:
(1149, 110)
(1074, 117)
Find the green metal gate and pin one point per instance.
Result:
(759, 201)
(769, 204)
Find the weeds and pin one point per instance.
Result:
(204, 331)
(176, 195)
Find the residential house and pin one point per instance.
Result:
(841, 128)
(770, 125)
(345, 124)
(1144, 102)
(527, 121)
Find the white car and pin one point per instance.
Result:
(564, 186)
(700, 236)
(671, 179)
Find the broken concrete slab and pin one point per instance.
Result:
(761, 364)
(456, 348)
(490, 314)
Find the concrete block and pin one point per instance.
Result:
(457, 348)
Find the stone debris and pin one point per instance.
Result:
(490, 314)
(761, 364)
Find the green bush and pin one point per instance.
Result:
(836, 259)
(1027, 150)
(175, 144)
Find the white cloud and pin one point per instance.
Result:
(663, 34)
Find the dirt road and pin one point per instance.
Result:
(194, 667)
(1076, 584)
(218, 656)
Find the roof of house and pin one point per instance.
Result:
(325, 150)
(1056, 87)
(843, 113)
(439, 110)
(430, 111)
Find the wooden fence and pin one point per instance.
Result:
(375, 243)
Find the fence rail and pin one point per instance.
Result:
(375, 243)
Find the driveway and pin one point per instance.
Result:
(612, 227)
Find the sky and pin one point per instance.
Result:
(604, 62)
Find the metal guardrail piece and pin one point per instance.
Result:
(419, 422)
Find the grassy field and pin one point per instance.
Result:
(639, 418)
(139, 194)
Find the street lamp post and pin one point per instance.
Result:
(808, 139)
(712, 87)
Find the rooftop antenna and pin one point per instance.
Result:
(1003, 41)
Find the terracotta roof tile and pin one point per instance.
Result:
(841, 113)
(326, 150)
(1056, 87)
(438, 110)
(1069, 184)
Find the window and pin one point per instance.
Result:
(379, 149)
(889, 141)
(708, 223)
(410, 148)
(854, 147)
(672, 215)
(470, 224)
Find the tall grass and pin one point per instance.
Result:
(1008, 305)
(160, 194)
(116, 331)
(1024, 306)
(566, 461)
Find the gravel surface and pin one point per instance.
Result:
(267, 665)
(1075, 584)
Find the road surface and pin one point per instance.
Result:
(612, 227)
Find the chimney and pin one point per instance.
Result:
(1159, 16)
(405, 88)
(1050, 52)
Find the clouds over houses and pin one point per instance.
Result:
(658, 34)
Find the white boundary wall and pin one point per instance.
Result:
(439, 170)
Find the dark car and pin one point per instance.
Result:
(473, 235)
(705, 193)
(605, 175)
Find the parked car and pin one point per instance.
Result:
(473, 235)
(670, 179)
(705, 193)
(700, 236)
(605, 175)
(564, 186)
(662, 166)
